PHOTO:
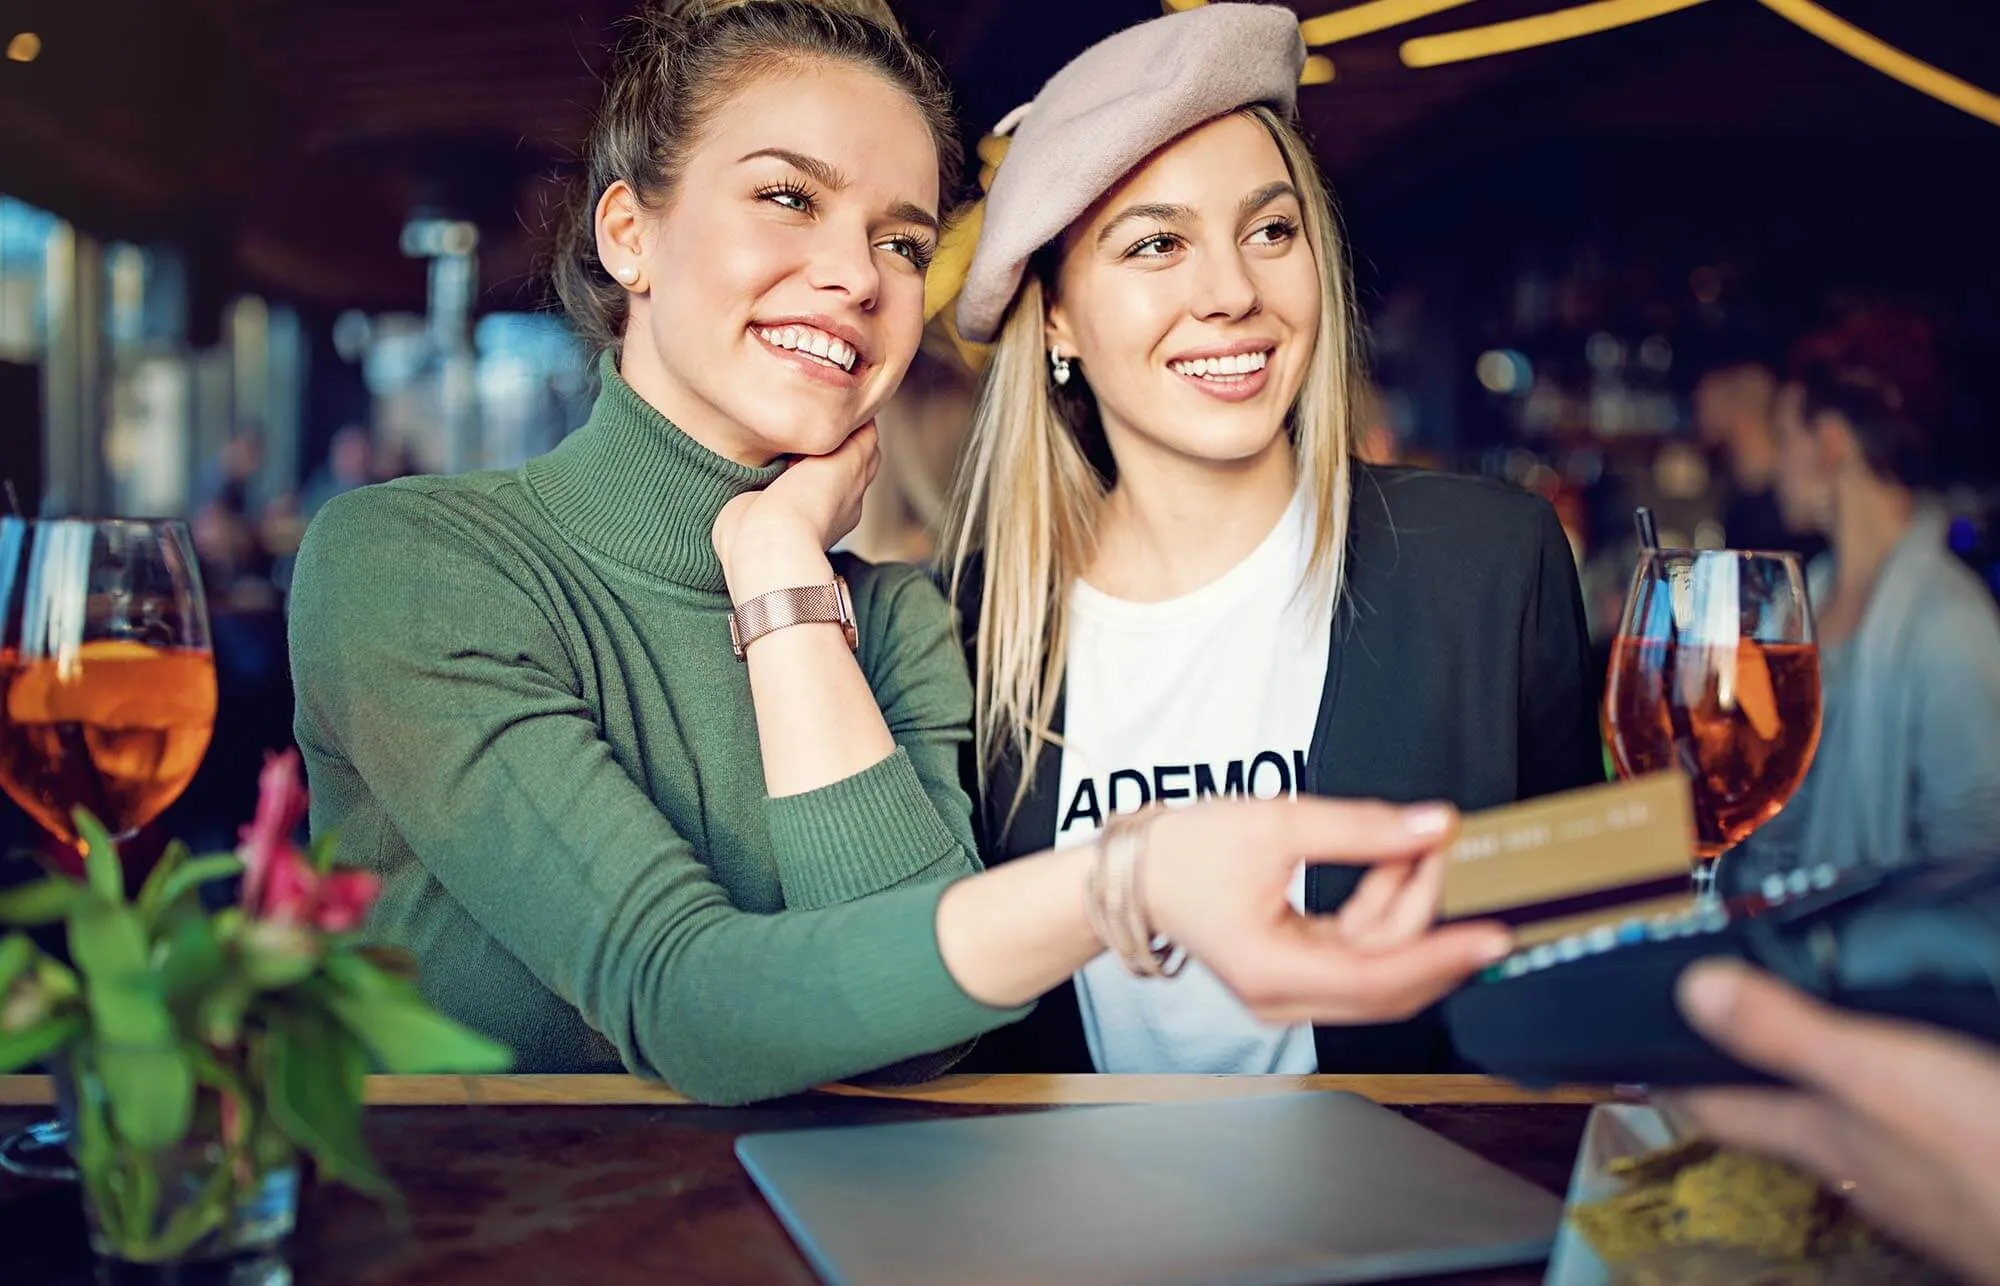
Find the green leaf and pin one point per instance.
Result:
(130, 1011)
(151, 1089)
(396, 962)
(356, 973)
(57, 978)
(142, 1212)
(212, 1071)
(321, 851)
(146, 1078)
(189, 877)
(172, 858)
(178, 874)
(191, 962)
(219, 1014)
(276, 956)
(194, 1220)
(17, 952)
(25, 1048)
(315, 1076)
(399, 1027)
(43, 902)
(94, 1150)
(108, 944)
(409, 1038)
(100, 857)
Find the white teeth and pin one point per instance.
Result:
(1235, 364)
(813, 343)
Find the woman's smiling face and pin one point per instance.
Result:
(1190, 298)
(784, 274)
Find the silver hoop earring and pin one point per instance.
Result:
(1059, 368)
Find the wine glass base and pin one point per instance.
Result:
(39, 1152)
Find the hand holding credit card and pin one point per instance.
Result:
(1566, 863)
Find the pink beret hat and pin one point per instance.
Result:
(1115, 104)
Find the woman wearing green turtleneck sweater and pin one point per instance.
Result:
(608, 839)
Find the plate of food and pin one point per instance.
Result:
(1647, 1207)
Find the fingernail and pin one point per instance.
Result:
(1708, 991)
(1429, 819)
(1499, 948)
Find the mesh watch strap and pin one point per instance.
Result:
(761, 615)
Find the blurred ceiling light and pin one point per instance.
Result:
(1542, 29)
(1180, 6)
(1504, 370)
(1362, 19)
(24, 48)
(1317, 71)
(1887, 59)
(1604, 351)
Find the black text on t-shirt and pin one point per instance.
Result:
(1265, 775)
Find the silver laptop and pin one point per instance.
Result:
(1271, 1190)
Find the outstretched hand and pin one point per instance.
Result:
(1217, 882)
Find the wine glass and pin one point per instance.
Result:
(107, 689)
(1715, 672)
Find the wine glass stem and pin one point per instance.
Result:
(1705, 895)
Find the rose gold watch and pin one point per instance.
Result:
(753, 619)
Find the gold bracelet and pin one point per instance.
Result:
(1116, 906)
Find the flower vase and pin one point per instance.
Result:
(209, 1210)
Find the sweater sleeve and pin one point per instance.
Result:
(907, 819)
(1560, 745)
(1955, 743)
(426, 658)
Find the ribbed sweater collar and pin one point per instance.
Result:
(635, 488)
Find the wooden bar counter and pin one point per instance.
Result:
(561, 1180)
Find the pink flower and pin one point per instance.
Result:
(267, 841)
(279, 883)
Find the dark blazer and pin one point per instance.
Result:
(1460, 670)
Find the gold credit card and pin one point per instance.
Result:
(1570, 862)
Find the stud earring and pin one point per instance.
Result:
(629, 275)
(1059, 368)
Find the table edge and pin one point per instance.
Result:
(991, 1091)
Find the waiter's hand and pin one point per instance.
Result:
(1907, 1115)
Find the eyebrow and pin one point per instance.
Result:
(1150, 210)
(830, 176)
(910, 212)
(811, 166)
(1170, 213)
(1265, 195)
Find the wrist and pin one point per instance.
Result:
(771, 556)
(1119, 899)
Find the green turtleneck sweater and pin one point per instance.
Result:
(518, 704)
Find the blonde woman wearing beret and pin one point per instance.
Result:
(1174, 581)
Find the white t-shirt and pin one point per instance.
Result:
(1213, 693)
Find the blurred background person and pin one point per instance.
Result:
(1908, 766)
(1733, 407)
(227, 480)
(350, 463)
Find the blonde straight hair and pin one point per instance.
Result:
(1027, 496)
